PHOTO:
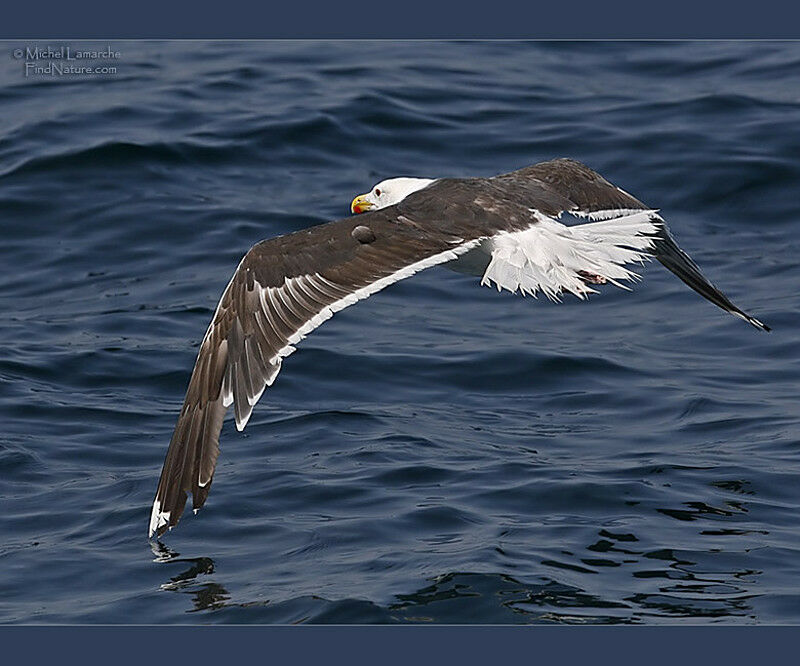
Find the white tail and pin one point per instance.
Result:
(556, 258)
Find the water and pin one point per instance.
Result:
(440, 452)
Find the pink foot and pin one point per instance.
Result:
(591, 278)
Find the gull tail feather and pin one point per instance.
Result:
(555, 258)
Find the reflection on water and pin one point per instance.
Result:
(679, 588)
(206, 595)
(629, 577)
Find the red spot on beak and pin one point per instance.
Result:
(360, 204)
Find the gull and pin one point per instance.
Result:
(510, 230)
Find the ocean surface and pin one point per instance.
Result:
(439, 453)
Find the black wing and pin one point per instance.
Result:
(283, 288)
(590, 193)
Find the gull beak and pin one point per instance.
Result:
(360, 204)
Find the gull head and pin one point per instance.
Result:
(387, 193)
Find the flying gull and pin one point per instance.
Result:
(507, 229)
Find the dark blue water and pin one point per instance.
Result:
(440, 452)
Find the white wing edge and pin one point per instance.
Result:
(159, 518)
(322, 284)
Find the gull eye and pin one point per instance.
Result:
(377, 192)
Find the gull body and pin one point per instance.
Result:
(510, 229)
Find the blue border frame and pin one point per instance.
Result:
(401, 644)
(419, 20)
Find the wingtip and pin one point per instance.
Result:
(159, 521)
(752, 321)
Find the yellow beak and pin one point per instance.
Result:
(360, 204)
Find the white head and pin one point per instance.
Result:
(387, 193)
